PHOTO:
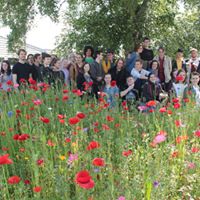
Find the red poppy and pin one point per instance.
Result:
(37, 102)
(5, 160)
(67, 140)
(3, 133)
(21, 137)
(73, 120)
(151, 110)
(113, 83)
(65, 98)
(186, 100)
(79, 93)
(61, 116)
(65, 91)
(27, 182)
(197, 133)
(124, 103)
(50, 143)
(9, 82)
(109, 118)
(5, 149)
(181, 138)
(175, 100)
(96, 130)
(32, 81)
(178, 123)
(96, 124)
(44, 120)
(40, 162)
(105, 127)
(98, 162)
(37, 189)
(22, 80)
(80, 115)
(62, 121)
(175, 154)
(127, 153)
(179, 78)
(93, 145)
(84, 180)
(169, 112)
(22, 150)
(163, 110)
(14, 180)
(195, 149)
(177, 105)
(151, 103)
(117, 125)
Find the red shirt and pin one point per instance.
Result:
(161, 73)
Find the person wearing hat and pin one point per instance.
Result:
(108, 62)
(179, 62)
(194, 62)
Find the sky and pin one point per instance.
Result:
(42, 34)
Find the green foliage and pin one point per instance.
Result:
(108, 23)
(18, 15)
(132, 176)
(115, 24)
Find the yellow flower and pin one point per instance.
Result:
(74, 144)
(62, 157)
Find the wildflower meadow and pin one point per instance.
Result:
(55, 144)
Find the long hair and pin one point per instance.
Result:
(9, 68)
(178, 74)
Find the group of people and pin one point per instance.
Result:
(141, 77)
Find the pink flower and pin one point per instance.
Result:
(142, 108)
(191, 165)
(72, 157)
(159, 139)
(16, 85)
(121, 198)
(37, 102)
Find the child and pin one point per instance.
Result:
(111, 91)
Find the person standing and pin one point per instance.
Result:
(5, 75)
(133, 56)
(37, 58)
(30, 59)
(21, 70)
(58, 76)
(97, 73)
(88, 54)
(147, 53)
(179, 62)
(46, 70)
(108, 62)
(165, 69)
(193, 64)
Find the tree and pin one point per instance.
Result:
(18, 15)
(115, 24)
